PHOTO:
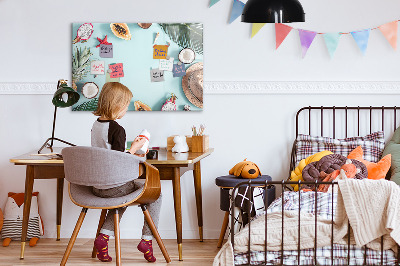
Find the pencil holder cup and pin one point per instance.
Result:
(200, 143)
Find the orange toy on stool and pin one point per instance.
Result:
(245, 169)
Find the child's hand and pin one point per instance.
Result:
(137, 144)
(143, 155)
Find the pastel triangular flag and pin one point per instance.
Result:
(213, 2)
(389, 30)
(306, 39)
(281, 31)
(256, 28)
(361, 37)
(237, 9)
(332, 41)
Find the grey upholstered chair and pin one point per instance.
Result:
(85, 167)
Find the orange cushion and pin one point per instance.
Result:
(375, 170)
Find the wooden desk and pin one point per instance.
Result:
(168, 164)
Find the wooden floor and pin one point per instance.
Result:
(50, 252)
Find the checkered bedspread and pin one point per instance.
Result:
(307, 202)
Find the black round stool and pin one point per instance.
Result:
(228, 182)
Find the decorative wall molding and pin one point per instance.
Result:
(302, 87)
(248, 87)
(28, 88)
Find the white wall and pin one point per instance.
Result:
(36, 43)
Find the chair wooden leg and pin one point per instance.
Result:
(101, 222)
(154, 230)
(223, 229)
(73, 237)
(117, 239)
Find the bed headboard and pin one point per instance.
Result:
(344, 121)
(344, 118)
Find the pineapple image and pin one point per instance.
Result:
(80, 65)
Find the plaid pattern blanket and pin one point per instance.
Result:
(322, 206)
(372, 145)
(306, 201)
(324, 257)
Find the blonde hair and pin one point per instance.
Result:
(113, 97)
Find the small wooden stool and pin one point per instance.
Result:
(226, 183)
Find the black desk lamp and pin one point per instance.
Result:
(273, 11)
(63, 97)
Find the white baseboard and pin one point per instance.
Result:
(247, 87)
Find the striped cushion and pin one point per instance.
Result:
(372, 145)
(13, 228)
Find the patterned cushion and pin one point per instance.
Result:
(372, 144)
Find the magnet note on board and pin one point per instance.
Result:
(97, 67)
(166, 64)
(110, 79)
(160, 51)
(106, 51)
(117, 70)
(156, 75)
(179, 70)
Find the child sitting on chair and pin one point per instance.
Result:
(106, 133)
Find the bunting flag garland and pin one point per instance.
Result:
(256, 28)
(306, 39)
(237, 9)
(389, 30)
(213, 2)
(332, 41)
(361, 37)
(281, 31)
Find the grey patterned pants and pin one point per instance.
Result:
(154, 208)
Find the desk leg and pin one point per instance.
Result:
(197, 189)
(176, 183)
(27, 206)
(60, 190)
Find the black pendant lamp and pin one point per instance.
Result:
(273, 11)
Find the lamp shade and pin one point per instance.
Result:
(273, 11)
(65, 96)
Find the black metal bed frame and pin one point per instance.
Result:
(283, 184)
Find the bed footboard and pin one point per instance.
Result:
(310, 254)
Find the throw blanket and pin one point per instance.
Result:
(371, 206)
(373, 209)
